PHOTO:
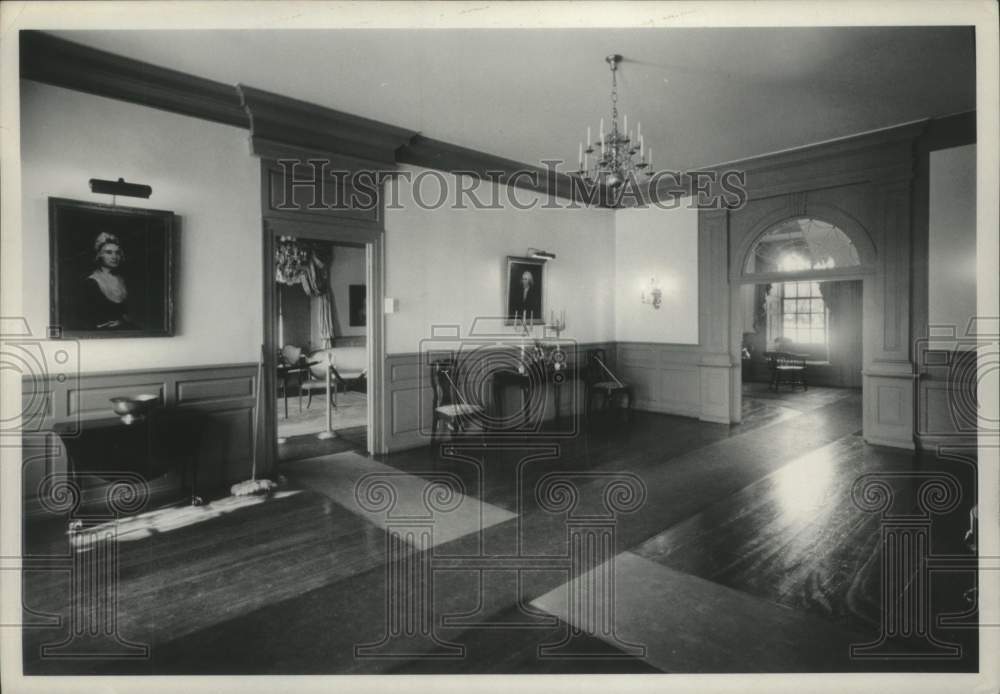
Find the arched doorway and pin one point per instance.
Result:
(799, 288)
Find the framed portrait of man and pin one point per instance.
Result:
(111, 270)
(525, 290)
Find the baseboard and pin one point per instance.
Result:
(931, 442)
(906, 444)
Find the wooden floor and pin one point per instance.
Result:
(742, 544)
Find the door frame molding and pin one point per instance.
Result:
(335, 233)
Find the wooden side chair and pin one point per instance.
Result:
(449, 404)
(787, 367)
(600, 379)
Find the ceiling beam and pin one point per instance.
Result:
(55, 61)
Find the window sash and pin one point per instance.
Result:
(804, 315)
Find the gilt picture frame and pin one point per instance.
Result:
(111, 270)
(524, 295)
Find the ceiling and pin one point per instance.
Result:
(704, 96)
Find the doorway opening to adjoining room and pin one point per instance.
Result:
(322, 361)
(322, 338)
(799, 318)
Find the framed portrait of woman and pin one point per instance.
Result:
(111, 270)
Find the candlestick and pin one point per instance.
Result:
(589, 141)
(625, 125)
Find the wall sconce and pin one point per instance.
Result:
(655, 294)
(541, 255)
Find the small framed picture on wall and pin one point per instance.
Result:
(525, 290)
(356, 295)
(111, 270)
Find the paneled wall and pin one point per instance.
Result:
(947, 401)
(864, 186)
(407, 405)
(221, 398)
(666, 378)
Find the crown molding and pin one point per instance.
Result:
(55, 61)
(278, 125)
(444, 156)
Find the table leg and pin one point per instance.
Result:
(525, 399)
(557, 392)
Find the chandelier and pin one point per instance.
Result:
(290, 261)
(615, 155)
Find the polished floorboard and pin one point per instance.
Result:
(735, 549)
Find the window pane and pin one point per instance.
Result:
(791, 290)
(802, 319)
(802, 244)
(817, 306)
(818, 321)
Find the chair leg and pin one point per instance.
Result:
(309, 402)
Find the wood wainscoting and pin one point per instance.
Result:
(666, 378)
(221, 396)
(408, 396)
(947, 399)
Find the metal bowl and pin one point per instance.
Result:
(133, 406)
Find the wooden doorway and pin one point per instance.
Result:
(276, 230)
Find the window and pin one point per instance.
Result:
(803, 313)
(799, 245)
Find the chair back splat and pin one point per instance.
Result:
(601, 381)
(449, 404)
(787, 367)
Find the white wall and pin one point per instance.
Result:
(662, 243)
(952, 262)
(348, 268)
(447, 266)
(201, 171)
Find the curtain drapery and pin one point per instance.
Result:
(307, 264)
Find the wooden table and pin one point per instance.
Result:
(541, 371)
(150, 446)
